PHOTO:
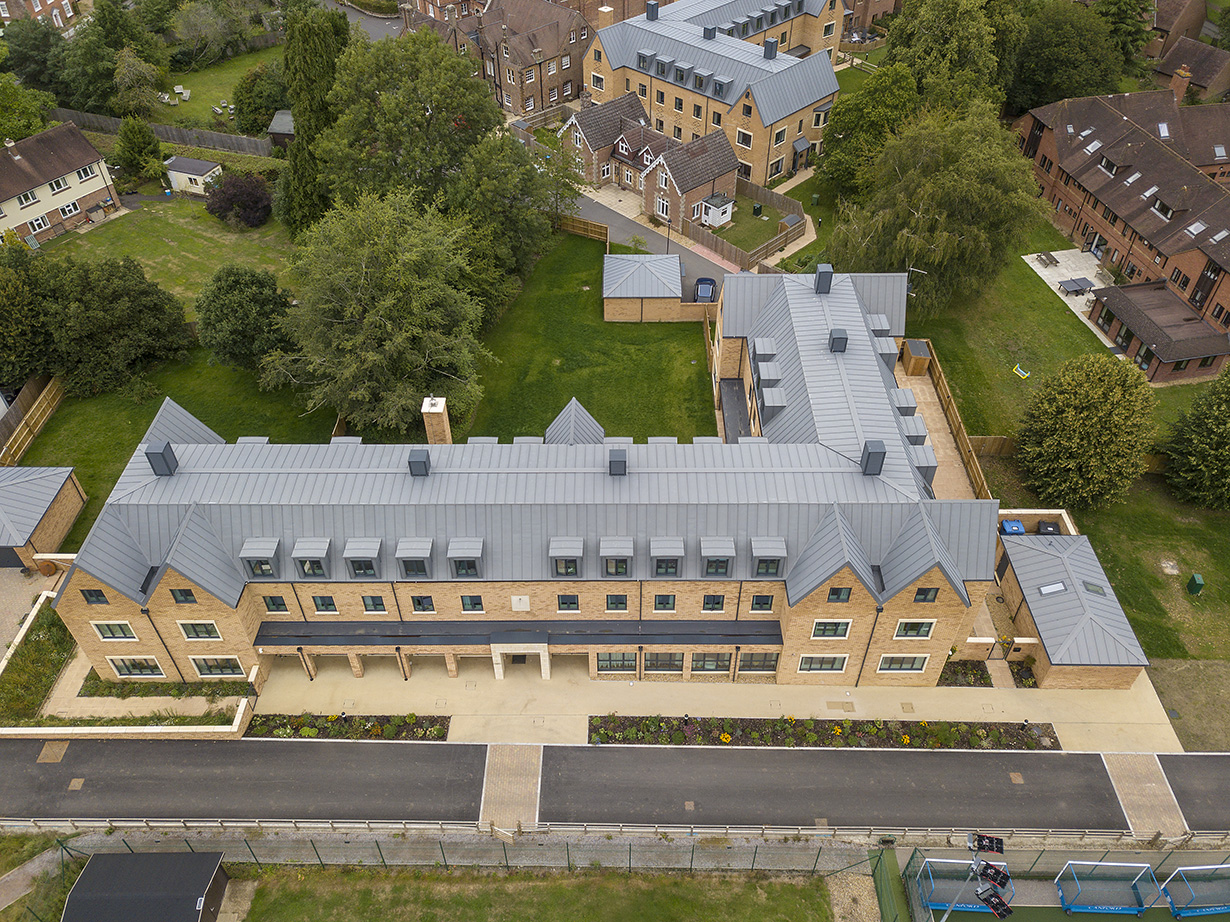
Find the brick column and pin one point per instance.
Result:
(356, 664)
(435, 419)
(450, 663)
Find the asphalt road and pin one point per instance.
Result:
(1200, 785)
(616, 784)
(244, 779)
(376, 27)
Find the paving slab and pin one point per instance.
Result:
(510, 787)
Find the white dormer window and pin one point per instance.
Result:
(1107, 166)
(623, 146)
(1162, 209)
(647, 158)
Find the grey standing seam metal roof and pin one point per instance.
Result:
(626, 275)
(574, 426)
(26, 493)
(191, 166)
(143, 887)
(1077, 626)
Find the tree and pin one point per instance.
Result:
(136, 145)
(860, 123)
(25, 336)
(383, 318)
(239, 315)
(155, 15)
(1198, 469)
(560, 171)
(1085, 431)
(22, 111)
(314, 39)
(947, 45)
(257, 96)
(36, 53)
(136, 84)
(242, 197)
(89, 71)
(1223, 25)
(1067, 52)
(408, 110)
(1129, 22)
(121, 28)
(109, 323)
(203, 32)
(950, 196)
(1007, 19)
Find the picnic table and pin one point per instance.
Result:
(1076, 286)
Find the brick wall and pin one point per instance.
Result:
(56, 523)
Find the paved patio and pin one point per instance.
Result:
(1075, 264)
(951, 481)
(17, 592)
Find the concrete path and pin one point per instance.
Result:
(510, 786)
(1144, 794)
(17, 594)
(20, 881)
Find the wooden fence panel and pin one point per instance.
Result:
(709, 240)
(583, 228)
(21, 406)
(32, 423)
(172, 134)
(993, 446)
(763, 251)
(783, 203)
(972, 468)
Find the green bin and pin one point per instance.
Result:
(757, 208)
(815, 199)
(1195, 584)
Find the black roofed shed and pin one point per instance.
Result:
(148, 887)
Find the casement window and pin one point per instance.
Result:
(717, 119)
(678, 133)
(1207, 361)
(528, 76)
(572, 40)
(39, 224)
(902, 663)
(145, 667)
(926, 595)
(422, 604)
(597, 56)
(616, 603)
(606, 171)
(819, 119)
(743, 138)
(567, 566)
(114, 630)
(664, 662)
(768, 566)
(568, 603)
(509, 76)
(200, 630)
(311, 567)
(665, 566)
(414, 568)
(776, 167)
(711, 662)
(658, 126)
(275, 603)
(183, 596)
(662, 180)
(617, 566)
(914, 630)
(642, 90)
(779, 137)
(362, 566)
(1182, 366)
(696, 209)
(490, 65)
(597, 82)
(465, 567)
(214, 666)
(697, 112)
(94, 596)
(584, 33)
(505, 49)
(762, 603)
(58, 185)
(659, 97)
(663, 603)
(616, 662)
(822, 663)
(747, 110)
(565, 62)
(26, 198)
(758, 662)
(837, 630)
(678, 104)
(839, 594)
(374, 604)
(576, 139)
(714, 603)
(324, 604)
(627, 176)
(69, 209)
(828, 29)
(472, 603)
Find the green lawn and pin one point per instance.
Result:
(97, 435)
(209, 86)
(637, 379)
(747, 231)
(180, 245)
(851, 79)
(823, 216)
(333, 895)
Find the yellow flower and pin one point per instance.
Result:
(837, 730)
(922, 723)
(906, 739)
(725, 737)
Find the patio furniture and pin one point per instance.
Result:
(1076, 286)
(1047, 259)
(187, 94)
(179, 88)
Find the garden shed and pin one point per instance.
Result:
(1057, 591)
(38, 506)
(187, 174)
(148, 887)
(639, 288)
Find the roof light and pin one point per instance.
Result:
(1163, 130)
(1131, 179)
(1196, 228)
(1148, 192)
(1093, 145)
(1219, 151)
(1051, 588)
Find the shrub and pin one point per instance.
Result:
(308, 731)
(242, 198)
(239, 312)
(437, 733)
(1199, 464)
(677, 738)
(33, 669)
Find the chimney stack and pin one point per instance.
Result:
(419, 461)
(770, 49)
(435, 419)
(873, 457)
(162, 460)
(1179, 82)
(606, 17)
(824, 278)
(837, 340)
(651, 10)
(9, 142)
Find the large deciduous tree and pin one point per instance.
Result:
(240, 197)
(950, 195)
(1068, 51)
(36, 53)
(862, 122)
(948, 47)
(384, 316)
(239, 315)
(1199, 448)
(22, 111)
(136, 84)
(1085, 432)
(257, 96)
(408, 111)
(88, 80)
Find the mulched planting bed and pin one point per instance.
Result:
(965, 673)
(96, 687)
(337, 727)
(808, 732)
(1022, 675)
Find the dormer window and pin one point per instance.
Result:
(566, 556)
(698, 82)
(1163, 209)
(680, 76)
(642, 62)
(310, 556)
(648, 157)
(616, 556)
(361, 555)
(718, 554)
(719, 89)
(259, 557)
(414, 557)
(769, 554)
(623, 146)
(465, 555)
(1106, 164)
(667, 553)
(661, 68)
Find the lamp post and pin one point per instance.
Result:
(668, 236)
(987, 873)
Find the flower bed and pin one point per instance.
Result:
(1023, 674)
(965, 673)
(96, 687)
(339, 727)
(789, 731)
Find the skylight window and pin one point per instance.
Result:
(1086, 132)
(1071, 130)
(1093, 145)
(1163, 130)
(1093, 587)
(1051, 588)
(1131, 179)
(1219, 151)
(1148, 192)
(1221, 235)
(1196, 228)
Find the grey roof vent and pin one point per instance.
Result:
(838, 340)
(651, 10)
(710, 32)
(420, 462)
(824, 277)
(873, 457)
(617, 462)
(770, 49)
(162, 459)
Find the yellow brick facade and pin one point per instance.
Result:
(55, 524)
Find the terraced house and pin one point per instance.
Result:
(760, 73)
(810, 551)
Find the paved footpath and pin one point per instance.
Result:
(20, 881)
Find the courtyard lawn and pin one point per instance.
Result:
(180, 245)
(97, 435)
(209, 86)
(333, 895)
(823, 216)
(637, 379)
(851, 79)
(747, 231)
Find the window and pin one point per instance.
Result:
(664, 662)
(698, 82)
(1163, 210)
(1105, 319)
(768, 566)
(26, 198)
(717, 118)
(642, 90)
(743, 138)
(822, 663)
(565, 62)
(627, 176)
(837, 629)
(1206, 362)
(597, 82)
(569, 603)
(183, 596)
(472, 603)
(39, 224)
(711, 662)
(828, 29)
(584, 33)
(678, 104)
(696, 111)
(207, 666)
(275, 603)
(678, 133)
(528, 77)
(4, 10)
(917, 630)
(598, 55)
(324, 604)
(658, 125)
(715, 566)
(422, 603)
(782, 41)
(839, 594)
(550, 68)
(762, 603)
(566, 566)
(374, 603)
(779, 136)
(758, 662)
(714, 603)
(465, 567)
(135, 666)
(606, 171)
(362, 567)
(193, 181)
(505, 50)
(509, 76)
(69, 209)
(617, 566)
(617, 662)
(94, 596)
(696, 209)
(775, 168)
(902, 663)
(926, 595)
(659, 97)
(490, 68)
(819, 119)
(414, 568)
(666, 566)
(747, 110)
(616, 603)
(114, 630)
(719, 90)
(58, 185)
(311, 567)
(199, 630)
(663, 603)
(1181, 366)
(743, 30)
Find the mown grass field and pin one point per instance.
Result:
(209, 86)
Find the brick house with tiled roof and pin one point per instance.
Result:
(1207, 67)
(1175, 19)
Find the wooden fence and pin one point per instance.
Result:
(711, 241)
(172, 134)
(783, 203)
(787, 236)
(972, 468)
(31, 423)
(21, 405)
(582, 228)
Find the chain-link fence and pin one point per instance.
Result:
(1045, 863)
